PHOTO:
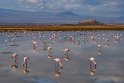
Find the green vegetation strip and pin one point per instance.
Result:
(62, 28)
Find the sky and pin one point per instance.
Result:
(103, 8)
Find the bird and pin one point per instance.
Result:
(49, 49)
(5, 43)
(92, 66)
(57, 68)
(34, 45)
(14, 39)
(15, 56)
(66, 57)
(24, 64)
(92, 59)
(99, 49)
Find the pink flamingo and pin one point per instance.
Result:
(34, 45)
(92, 66)
(5, 43)
(117, 39)
(78, 42)
(99, 49)
(25, 64)
(44, 45)
(66, 50)
(15, 56)
(106, 43)
(14, 41)
(58, 66)
(50, 52)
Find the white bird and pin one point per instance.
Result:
(58, 62)
(66, 57)
(65, 50)
(50, 52)
(15, 56)
(99, 49)
(34, 45)
(92, 66)
(93, 60)
(5, 43)
(14, 41)
(25, 60)
(24, 63)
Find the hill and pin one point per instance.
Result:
(90, 22)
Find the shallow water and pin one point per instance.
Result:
(110, 61)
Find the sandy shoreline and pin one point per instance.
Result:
(63, 28)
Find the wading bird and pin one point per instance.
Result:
(15, 57)
(14, 41)
(34, 45)
(66, 57)
(49, 52)
(92, 66)
(58, 66)
(99, 49)
(44, 45)
(25, 64)
(5, 43)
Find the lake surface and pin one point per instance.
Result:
(107, 47)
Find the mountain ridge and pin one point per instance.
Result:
(20, 16)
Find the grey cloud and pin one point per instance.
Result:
(93, 7)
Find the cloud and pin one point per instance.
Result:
(92, 7)
(32, 1)
(29, 1)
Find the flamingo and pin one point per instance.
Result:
(44, 45)
(58, 66)
(99, 50)
(92, 60)
(25, 63)
(92, 65)
(49, 49)
(117, 39)
(5, 43)
(15, 56)
(14, 41)
(66, 50)
(106, 43)
(78, 42)
(34, 45)
(93, 39)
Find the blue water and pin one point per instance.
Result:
(82, 47)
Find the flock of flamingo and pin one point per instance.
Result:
(48, 39)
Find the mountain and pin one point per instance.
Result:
(20, 16)
(67, 13)
(90, 22)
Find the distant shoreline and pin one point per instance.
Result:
(62, 28)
